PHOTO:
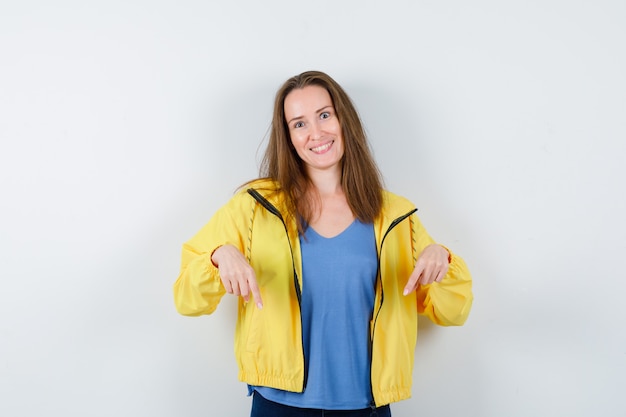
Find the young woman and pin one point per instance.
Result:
(330, 268)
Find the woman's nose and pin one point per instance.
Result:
(316, 131)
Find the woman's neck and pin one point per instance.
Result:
(326, 182)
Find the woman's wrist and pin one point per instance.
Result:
(215, 264)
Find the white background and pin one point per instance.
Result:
(125, 124)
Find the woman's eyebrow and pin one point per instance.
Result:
(323, 108)
(316, 111)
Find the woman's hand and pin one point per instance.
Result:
(236, 273)
(431, 266)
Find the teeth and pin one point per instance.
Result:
(322, 148)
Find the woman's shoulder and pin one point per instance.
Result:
(253, 191)
(391, 199)
(268, 188)
(394, 207)
(261, 184)
(242, 194)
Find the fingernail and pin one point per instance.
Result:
(406, 291)
(259, 305)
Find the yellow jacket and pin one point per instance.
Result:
(268, 342)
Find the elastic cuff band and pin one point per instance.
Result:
(211, 257)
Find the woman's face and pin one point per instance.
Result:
(314, 128)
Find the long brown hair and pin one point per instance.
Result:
(361, 180)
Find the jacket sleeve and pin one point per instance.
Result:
(446, 303)
(199, 289)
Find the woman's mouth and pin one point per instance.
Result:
(323, 148)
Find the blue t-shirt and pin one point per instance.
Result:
(338, 279)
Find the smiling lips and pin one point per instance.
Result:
(323, 148)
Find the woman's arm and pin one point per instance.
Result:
(444, 283)
(199, 288)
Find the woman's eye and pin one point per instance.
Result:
(325, 115)
(298, 124)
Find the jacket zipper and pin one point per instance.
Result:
(272, 209)
(393, 224)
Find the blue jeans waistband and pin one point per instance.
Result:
(262, 407)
